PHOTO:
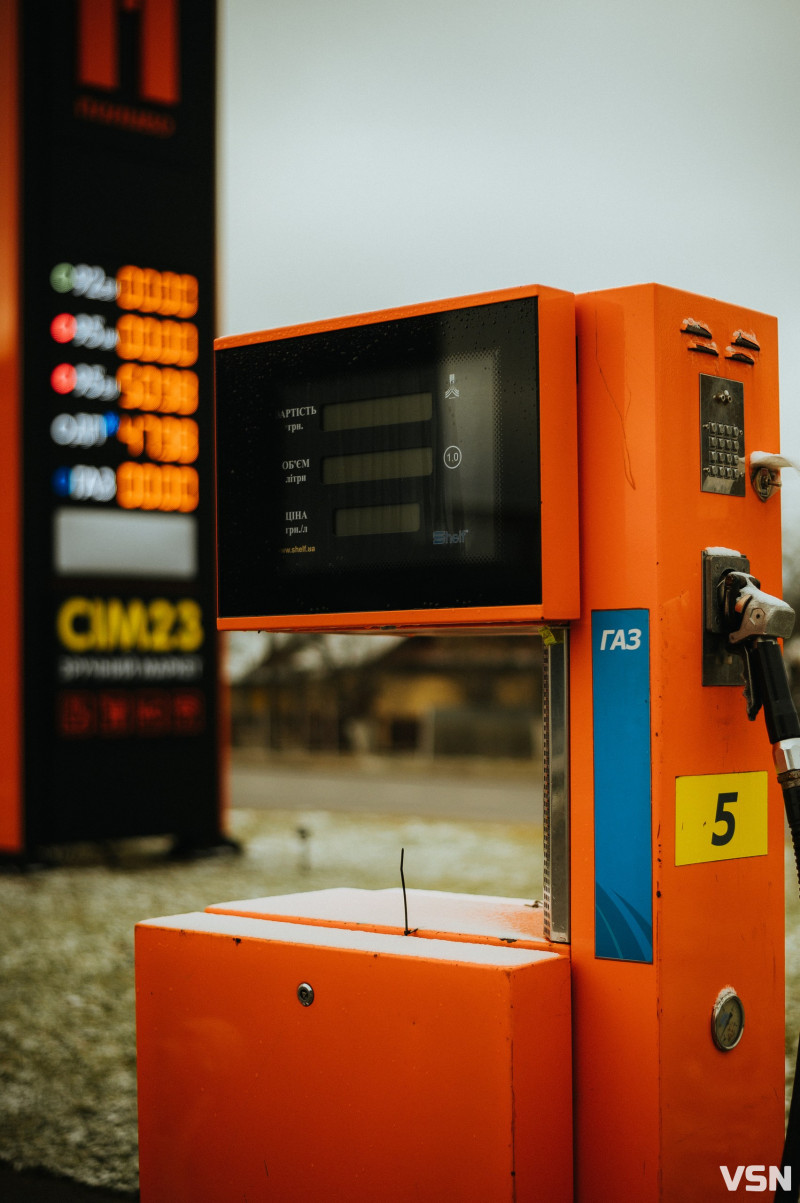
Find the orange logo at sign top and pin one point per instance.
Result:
(99, 28)
(720, 816)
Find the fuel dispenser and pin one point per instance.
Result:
(438, 469)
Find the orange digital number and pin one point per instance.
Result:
(168, 439)
(167, 390)
(131, 432)
(170, 294)
(157, 487)
(154, 341)
(179, 391)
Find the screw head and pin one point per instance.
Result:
(305, 994)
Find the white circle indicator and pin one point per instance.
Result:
(452, 457)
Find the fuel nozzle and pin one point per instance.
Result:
(748, 612)
(754, 622)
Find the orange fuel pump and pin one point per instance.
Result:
(438, 469)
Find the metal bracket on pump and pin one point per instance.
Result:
(721, 661)
(556, 784)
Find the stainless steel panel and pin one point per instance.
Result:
(556, 786)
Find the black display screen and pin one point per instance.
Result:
(387, 466)
(118, 311)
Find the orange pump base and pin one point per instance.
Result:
(425, 1069)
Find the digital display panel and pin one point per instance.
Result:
(377, 465)
(380, 411)
(117, 244)
(378, 519)
(389, 466)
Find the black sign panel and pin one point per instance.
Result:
(389, 466)
(120, 684)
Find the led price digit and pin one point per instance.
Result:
(167, 390)
(154, 341)
(168, 439)
(169, 294)
(155, 487)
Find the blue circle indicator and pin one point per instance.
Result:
(61, 482)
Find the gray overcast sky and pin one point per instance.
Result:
(375, 154)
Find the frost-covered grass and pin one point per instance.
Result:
(67, 1040)
(67, 1037)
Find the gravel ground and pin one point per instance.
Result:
(67, 1039)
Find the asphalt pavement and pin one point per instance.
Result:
(472, 791)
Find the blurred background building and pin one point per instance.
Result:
(427, 696)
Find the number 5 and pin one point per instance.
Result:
(724, 816)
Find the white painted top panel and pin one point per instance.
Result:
(428, 911)
(236, 926)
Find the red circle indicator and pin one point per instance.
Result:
(63, 327)
(63, 378)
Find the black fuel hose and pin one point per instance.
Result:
(768, 667)
(779, 708)
(792, 1141)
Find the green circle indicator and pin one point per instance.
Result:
(62, 278)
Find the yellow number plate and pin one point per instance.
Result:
(721, 816)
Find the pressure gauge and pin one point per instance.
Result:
(727, 1020)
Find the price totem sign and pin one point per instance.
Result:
(110, 700)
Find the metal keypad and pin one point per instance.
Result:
(722, 446)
